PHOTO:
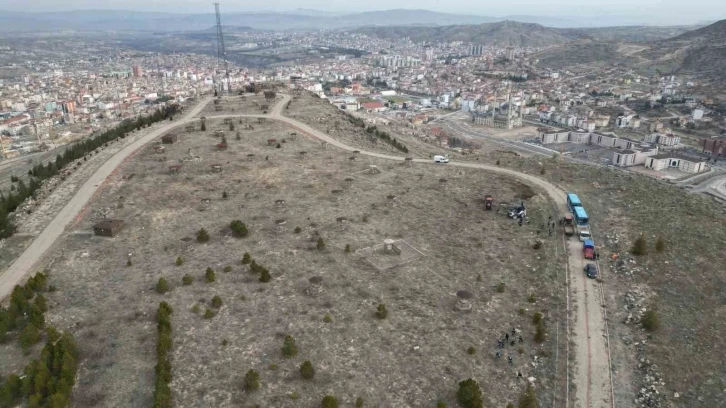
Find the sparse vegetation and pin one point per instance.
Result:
(537, 318)
(359, 402)
(298, 230)
(532, 298)
(327, 319)
(252, 381)
(239, 229)
(441, 404)
(500, 287)
(227, 269)
(650, 320)
(347, 248)
(187, 279)
(320, 245)
(528, 398)
(216, 302)
(640, 247)
(246, 258)
(225, 195)
(660, 245)
(469, 394)
(307, 371)
(289, 349)
(208, 314)
(162, 286)
(381, 311)
(162, 392)
(209, 275)
(329, 401)
(179, 261)
(471, 351)
(265, 275)
(540, 334)
(202, 235)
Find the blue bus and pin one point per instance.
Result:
(573, 201)
(581, 216)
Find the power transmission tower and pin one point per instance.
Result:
(221, 53)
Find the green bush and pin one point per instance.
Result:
(179, 261)
(329, 401)
(471, 351)
(196, 308)
(29, 336)
(239, 229)
(162, 286)
(225, 195)
(532, 298)
(320, 245)
(246, 259)
(359, 402)
(660, 245)
(298, 230)
(540, 334)
(381, 311)
(469, 394)
(209, 275)
(528, 398)
(327, 319)
(216, 302)
(289, 349)
(265, 275)
(40, 302)
(522, 311)
(650, 320)
(347, 248)
(640, 247)
(187, 279)
(252, 381)
(202, 235)
(500, 287)
(227, 268)
(307, 371)
(128, 262)
(441, 404)
(208, 314)
(537, 318)
(162, 392)
(203, 128)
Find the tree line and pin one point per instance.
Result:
(40, 172)
(47, 381)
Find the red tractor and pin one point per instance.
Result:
(488, 201)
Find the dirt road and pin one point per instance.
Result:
(15, 273)
(592, 374)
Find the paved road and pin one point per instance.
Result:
(592, 374)
(25, 263)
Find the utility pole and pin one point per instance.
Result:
(221, 53)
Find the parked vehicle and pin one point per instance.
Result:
(584, 233)
(573, 201)
(488, 201)
(441, 159)
(591, 270)
(588, 249)
(581, 216)
(568, 223)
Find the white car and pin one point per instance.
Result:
(441, 159)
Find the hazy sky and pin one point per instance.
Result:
(671, 11)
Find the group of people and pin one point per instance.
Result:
(502, 343)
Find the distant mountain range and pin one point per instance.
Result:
(518, 34)
(700, 51)
(300, 19)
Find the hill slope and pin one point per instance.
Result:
(701, 52)
(504, 33)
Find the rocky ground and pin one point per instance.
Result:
(414, 357)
